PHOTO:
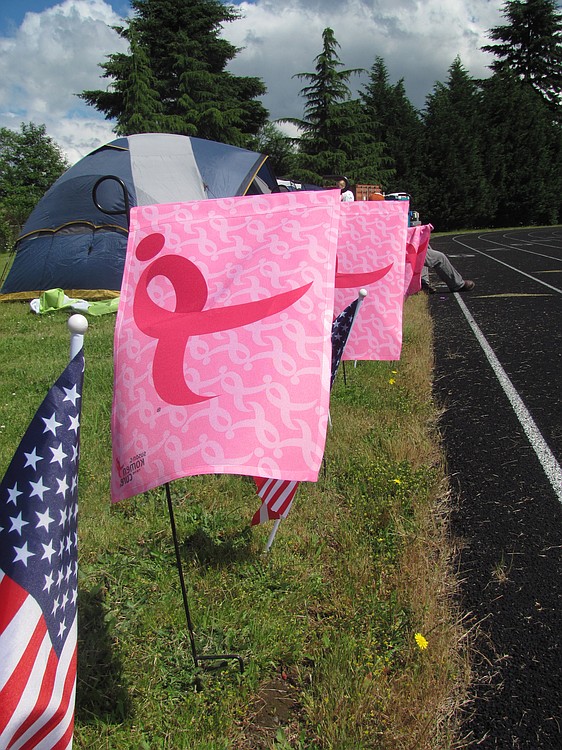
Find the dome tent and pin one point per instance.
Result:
(76, 236)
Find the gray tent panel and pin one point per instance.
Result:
(165, 170)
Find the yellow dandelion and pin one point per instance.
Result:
(397, 481)
(392, 381)
(421, 641)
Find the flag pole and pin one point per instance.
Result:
(181, 576)
(78, 325)
(272, 534)
(360, 297)
(196, 657)
(362, 294)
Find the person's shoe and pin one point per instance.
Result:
(468, 286)
(427, 288)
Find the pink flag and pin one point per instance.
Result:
(222, 341)
(372, 254)
(416, 249)
(277, 495)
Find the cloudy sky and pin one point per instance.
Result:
(51, 51)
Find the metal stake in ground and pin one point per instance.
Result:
(197, 658)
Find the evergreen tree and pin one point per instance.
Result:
(142, 111)
(530, 45)
(455, 191)
(30, 161)
(280, 148)
(175, 75)
(396, 123)
(334, 140)
(522, 152)
(367, 161)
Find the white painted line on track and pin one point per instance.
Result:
(497, 260)
(547, 459)
(520, 248)
(539, 255)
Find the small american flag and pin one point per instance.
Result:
(341, 328)
(277, 494)
(276, 498)
(38, 574)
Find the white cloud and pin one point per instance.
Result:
(53, 56)
(56, 54)
(417, 40)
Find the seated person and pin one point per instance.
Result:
(443, 267)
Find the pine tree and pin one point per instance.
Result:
(530, 45)
(367, 162)
(521, 153)
(455, 190)
(175, 75)
(142, 111)
(333, 139)
(396, 123)
(280, 149)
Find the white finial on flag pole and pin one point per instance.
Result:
(78, 325)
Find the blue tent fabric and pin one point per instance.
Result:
(68, 242)
(69, 199)
(74, 260)
(221, 182)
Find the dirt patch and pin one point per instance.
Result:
(276, 706)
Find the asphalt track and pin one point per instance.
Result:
(498, 375)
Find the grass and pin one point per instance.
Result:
(325, 622)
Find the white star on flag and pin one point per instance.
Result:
(71, 395)
(63, 486)
(51, 424)
(45, 519)
(74, 423)
(32, 459)
(22, 554)
(18, 523)
(39, 488)
(58, 455)
(13, 494)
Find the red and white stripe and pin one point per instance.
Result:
(277, 497)
(37, 690)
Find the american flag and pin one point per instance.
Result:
(341, 328)
(276, 498)
(277, 495)
(38, 574)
